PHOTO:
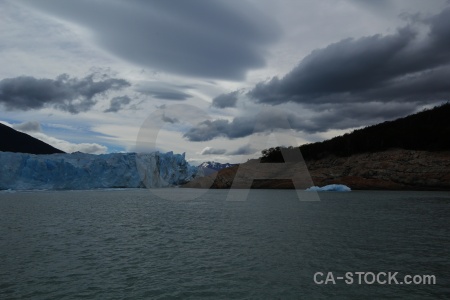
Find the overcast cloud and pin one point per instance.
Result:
(117, 103)
(34, 129)
(163, 91)
(348, 84)
(212, 151)
(226, 100)
(265, 121)
(243, 150)
(301, 68)
(319, 118)
(31, 126)
(404, 66)
(64, 93)
(212, 39)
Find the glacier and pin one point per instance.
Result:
(330, 188)
(79, 171)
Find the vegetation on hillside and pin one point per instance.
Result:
(428, 130)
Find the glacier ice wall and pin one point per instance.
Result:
(19, 171)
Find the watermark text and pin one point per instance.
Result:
(389, 278)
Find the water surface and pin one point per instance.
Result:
(131, 244)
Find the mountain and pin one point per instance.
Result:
(411, 153)
(19, 171)
(428, 130)
(15, 141)
(211, 167)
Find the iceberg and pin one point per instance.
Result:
(79, 171)
(330, 188)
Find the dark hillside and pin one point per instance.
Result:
(14, 141)
(427, 131)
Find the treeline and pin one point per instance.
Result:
(428, 130)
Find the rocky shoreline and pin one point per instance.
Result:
(395, 169)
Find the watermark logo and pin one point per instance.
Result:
(293, 168)
(149, 165)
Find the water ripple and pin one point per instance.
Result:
(130, 244)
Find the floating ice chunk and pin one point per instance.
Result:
(330, 188)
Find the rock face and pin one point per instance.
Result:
(77, 171)
(243, 176)
(388, 170)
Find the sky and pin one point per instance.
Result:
(220, 80)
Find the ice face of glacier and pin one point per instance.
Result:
(19, 171)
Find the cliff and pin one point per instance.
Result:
(410, 153)
(394, 169)
(387, 170)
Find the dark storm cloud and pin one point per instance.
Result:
(244, 150)
(167, 119)
(163, 91)
(208, 130)
(64, 93)
(214, 39)
(322, 118)
(352, 83)
(214, 151)
(243, 126)
(402, 67)
(226, 100)
(335, 116)
(116, 103)
(374, 5)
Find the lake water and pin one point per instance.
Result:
(131, 244)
